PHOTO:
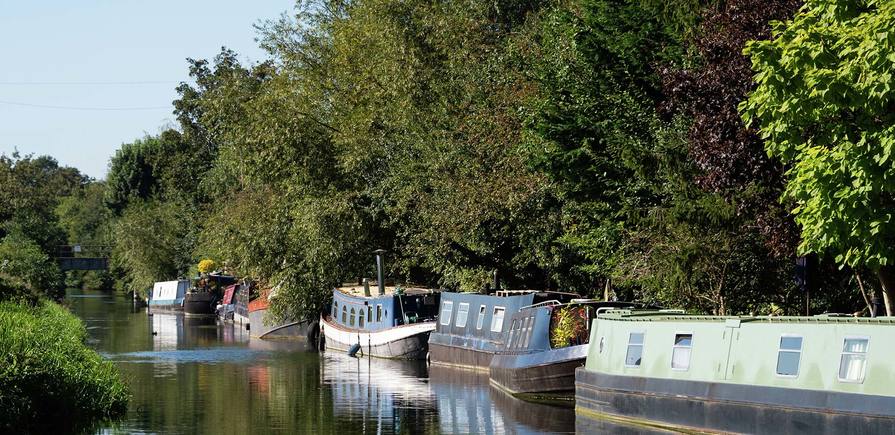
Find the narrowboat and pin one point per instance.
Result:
(264, 327)
(202, 299)
(825, 374)
(168, 295)
(471, 326)
(395, 323)
(545, 344)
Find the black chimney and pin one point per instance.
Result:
(380, 274)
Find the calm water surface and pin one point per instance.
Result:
(196, 376)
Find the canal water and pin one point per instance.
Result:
(197, 376)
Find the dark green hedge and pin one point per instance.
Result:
(50, 380)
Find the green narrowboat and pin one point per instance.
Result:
(823, 374)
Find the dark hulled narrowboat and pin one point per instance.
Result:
(545, 344)
(263, 326)
(202, 299)
(471, 326)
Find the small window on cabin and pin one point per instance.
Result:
(853, 363)
(481, 320)
(360, 318)
(446, 308)
(344, 314)
(378, 313)
(370, 312)
(789, 355)
(531, 327)
(635, 349)
(351, 322)
(462, 314)
(680, 352)
(497, 319)
(514, 329)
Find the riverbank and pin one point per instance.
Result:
(50, 380)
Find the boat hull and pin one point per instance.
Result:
(456, 356)
(282, 331)
(199, 304)
(697, 406)
(549, 373)
(399, 342)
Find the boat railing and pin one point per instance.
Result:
(549, 303)
(604, 309)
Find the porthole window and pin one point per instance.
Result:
(680, 352)
(788, 355)
(635, 349)
(853, 362)
(447, 307)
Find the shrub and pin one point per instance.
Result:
(49, 379)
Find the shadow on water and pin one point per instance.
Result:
(193, 375)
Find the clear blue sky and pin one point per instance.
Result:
(54, 52)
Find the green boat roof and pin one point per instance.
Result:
(677, 316)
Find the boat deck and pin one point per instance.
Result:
(358, 290)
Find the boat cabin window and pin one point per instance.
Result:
(379, 312)
(531, 322)
(351, 322)
(514, 333)
(789, 355)
(462, 314)
(497, 319)
(446, 308)
(635, 349)
(853, 363)
(680, 353)
(370, 312)
(344, 315)
(481, 320)
(360, 318)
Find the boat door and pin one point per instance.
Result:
(726, 366)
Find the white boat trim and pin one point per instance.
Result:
(339, 334)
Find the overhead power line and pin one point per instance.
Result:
(108, 83)
(102, 109)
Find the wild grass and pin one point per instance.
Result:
(50, 380)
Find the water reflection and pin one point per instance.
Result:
(192, 375)
(467, 403)
(383, 395)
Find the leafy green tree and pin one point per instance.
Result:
(25, 266)
(824, 105)
(153, 242)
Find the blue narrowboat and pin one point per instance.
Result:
(395, 323)
(471, 326)
(544, 345)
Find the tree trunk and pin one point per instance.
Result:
(887, 280)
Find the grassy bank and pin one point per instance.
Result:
(50, 380)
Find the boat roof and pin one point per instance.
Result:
(635, 315)
(352, 289)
